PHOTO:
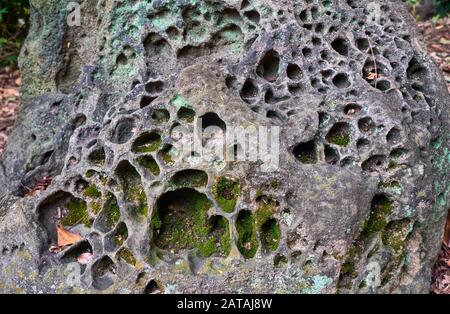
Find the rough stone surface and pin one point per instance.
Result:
(357, 204)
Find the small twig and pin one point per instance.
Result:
(374, 61)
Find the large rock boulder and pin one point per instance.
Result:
(354, 201)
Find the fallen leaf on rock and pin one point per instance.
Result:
(66, 237)
(85, 258)
(41, 185)
(372, 76)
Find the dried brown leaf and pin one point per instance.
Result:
(372, 76)
(65, 237)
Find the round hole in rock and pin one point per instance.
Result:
(160, 115)
(294, 72)
(253, 16)
(306, 152)
(340, 45)
(133, 190)
(398, 152)
(212, 119)
(186, 114)
(226, 193)
(116, 238)
(230, 81)
(348, 162)
(363, 145)
(319, 28)
(341, 80)
(325, 55)
(152, 288)
(307, 52)
(268, 67)
(280, 260)
(75, 251)
(109, 216)
(97, 156)
(270, 234)
(172, 32)
(362, 44)
(327, 73)
(274, 114)
(121, 59)
(147, 142)
(271, 98)
(352, 109)
(249, 90)
(374, 163)
(383, 85)
(103, 273)
(155, 87)
(190, 178)
(331, 155)
(393, 136)
(339, 134)
(295, 89)
(181, 223)
(146, 100)
(366, 125)
(247, 241)
(123, 131)
(168, 154)
(148, 162)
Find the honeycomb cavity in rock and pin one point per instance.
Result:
(363, 145)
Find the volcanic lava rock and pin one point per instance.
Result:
(355, 200)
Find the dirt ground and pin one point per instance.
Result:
(9, 102)
(437, 37)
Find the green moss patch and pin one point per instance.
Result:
(111, 210)
(132, 188)
(95, 207)
(97, 157)
(270, 234)
(181, 222)
(186, 114)
(381, 208)
(226, 193)
(247, 242)
(90, 173)
(268, 226)
(220, 230)
(339, 134)
(120, 234)
(280, 260)
(391, 186)
(76, 213)
(149, 163)
(396, 233)
(190, 178)
(167, 154)
(126, 255)
(392, 267)
(348, 270)
(306, 152)
(147, 142)
(92, 191)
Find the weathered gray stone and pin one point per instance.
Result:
(356, 205)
